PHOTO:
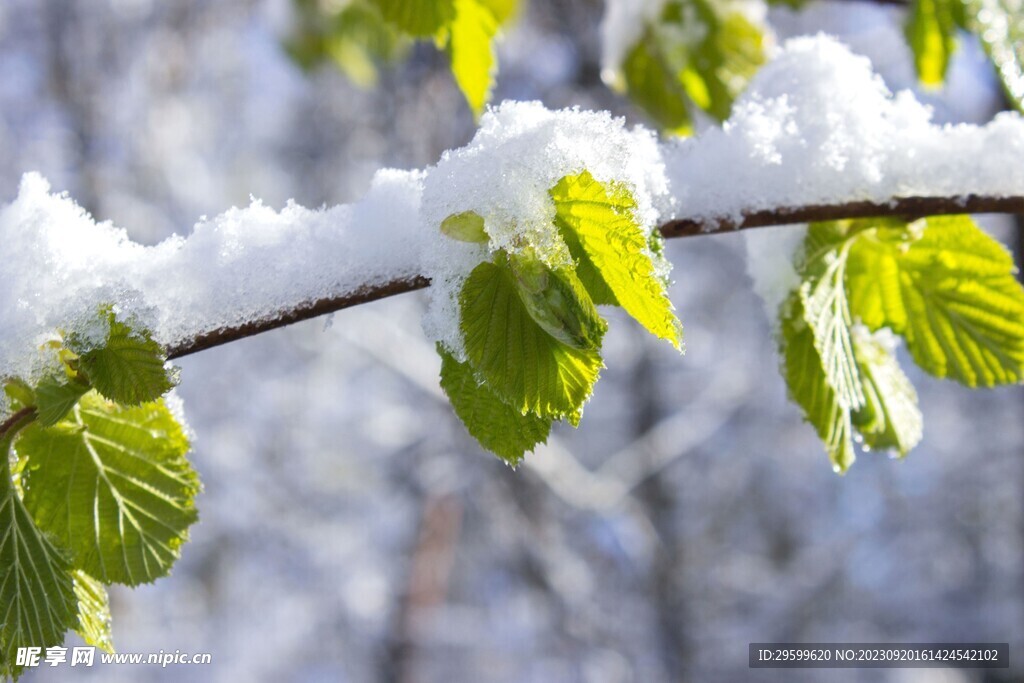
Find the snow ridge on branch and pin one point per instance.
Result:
(816, 137)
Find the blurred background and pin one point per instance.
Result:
(351, 531)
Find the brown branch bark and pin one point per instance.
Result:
(904, 207)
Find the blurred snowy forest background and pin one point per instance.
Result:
(351, 531)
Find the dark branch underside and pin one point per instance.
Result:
(906, 207)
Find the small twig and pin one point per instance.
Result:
(15, 420)
(904, 207)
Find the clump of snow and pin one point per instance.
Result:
(60, 266)
(505, 174)
(971, 92)
(621, 28)
(817, 126)
(770, 257)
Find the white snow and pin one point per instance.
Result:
(505, 173)
(60, 265)
(971, 93)
(817, 126)
(770, 254)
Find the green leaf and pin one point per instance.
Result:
(700, 53)
(890, 418)
(19, 394)
(112, 485)
(355, 38)
(420, 18)
(999, 24)
(93, 611)
(950, 290)
(472, 52)
(36, 593)
(823, 300)
(524, 365)
(503, 10)
(467, 226)
(130, 366)
(55, 397)
(931, 33)
(558, 302)
(498, 427)
(653, 86)
(809, 386)
(611, 250)
(586, 270)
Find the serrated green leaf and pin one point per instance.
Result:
(873, 274)
(699, 53)
(890, 418)
(55, 397)
(558, 302)
(112, 485)
(600, 293)
(498, 427)
(809, 386)
(420, 18)
(524, 365)
(471, 46)
(36, 594)
(823, 301)
(931, 33)
(130, 366)
(999, 24)
(93, 611)
(950, 290)
(598, 224)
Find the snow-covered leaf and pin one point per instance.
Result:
(467, 226)
(129, 367)
(611, 249)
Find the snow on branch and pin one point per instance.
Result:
(816, 137)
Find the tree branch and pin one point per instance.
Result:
(904, 207)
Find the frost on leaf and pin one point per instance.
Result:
(613, 252)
